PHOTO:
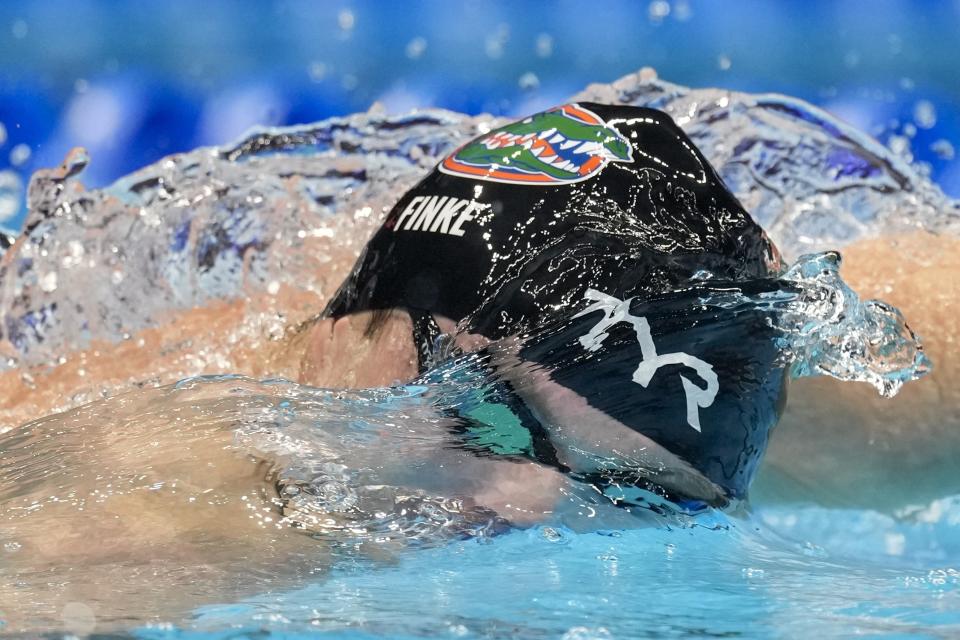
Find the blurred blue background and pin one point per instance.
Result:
(134, 81)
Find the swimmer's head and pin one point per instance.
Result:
(611, 208)
(519, 222)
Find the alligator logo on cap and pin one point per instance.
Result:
(560, 146)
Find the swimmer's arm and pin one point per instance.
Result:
(585, 437)
(840, 445)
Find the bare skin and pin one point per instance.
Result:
(155, 490)
(343, 353)
(582, 433)
(126, 519)
(843, 445)
(227, 337)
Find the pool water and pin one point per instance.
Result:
(422, 567)
(774, 573)
(286, 210)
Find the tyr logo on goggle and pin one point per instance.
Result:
(564, 145)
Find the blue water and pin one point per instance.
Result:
(776, 571)
(721, 577)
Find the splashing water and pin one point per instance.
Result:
(192, 489)
(293, 207)
(220, 488)
(834, 333)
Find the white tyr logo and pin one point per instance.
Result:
(616, 311)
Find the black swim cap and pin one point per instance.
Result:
(698, 371)
(519, 222)
(516, 227)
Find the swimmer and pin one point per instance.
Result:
(531, 220)
(595, 231)
(605, 210)
(593, 205)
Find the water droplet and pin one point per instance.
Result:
(682, 11)
(48, 282)
(349, 82)
(495, 42)
(900, 145)
(658, 10)
(416, 47)
(944, 149)
(529, 81)
(19, 154)
(544, 45)
(11, 194)
(317, 71)
(924, 114)
(895, 42)
(19, 29)
(346, 20)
